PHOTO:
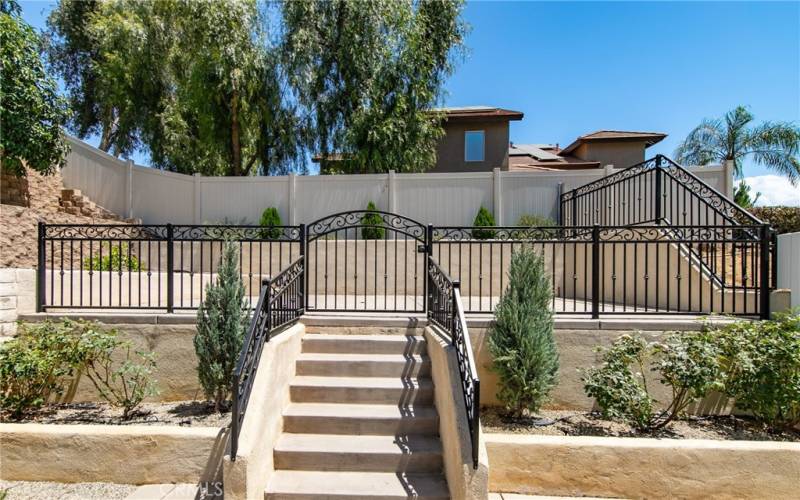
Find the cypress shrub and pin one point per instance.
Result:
(374, 224)
(483, 219)
(221, 325)
(269, 219)
(521, 340)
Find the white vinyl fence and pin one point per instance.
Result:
(789, 265)
(159, 197)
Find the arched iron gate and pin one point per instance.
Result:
(366, 260)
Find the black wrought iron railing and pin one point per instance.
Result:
(280, 303)
(446, 311)
(657, 191)
(607, 270)
(166, 267)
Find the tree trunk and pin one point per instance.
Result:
(236, 147)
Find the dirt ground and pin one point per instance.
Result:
(42, 490)
(181, 413)
(575, 423)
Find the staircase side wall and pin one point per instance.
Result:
(465, 482)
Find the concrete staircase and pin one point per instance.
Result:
(361, 423)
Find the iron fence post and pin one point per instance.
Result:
(305, 274)
(453, 312)
(40, 269)
(764, 271)
(426, 288)
(574, 209)
(658, 188)
(170, 272)
(595, 271)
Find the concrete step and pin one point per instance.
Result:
(302, 485)
(330, 452)
(360, 419)
(377, 390)
(363, 365)
(364, 344)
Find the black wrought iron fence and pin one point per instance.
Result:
(446, 310)
(594, 270)
(281, 301)
(637, 269)
(657, 191)
(152, 266)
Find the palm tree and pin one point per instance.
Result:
(774, 145)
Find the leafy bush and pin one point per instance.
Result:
(45, 359)
(124, 384)
(761, 362)
(530, 220)
(221, 324)
(533, 223)
(374, 224)
(269, 219)
(782, 219)
(687, 362)
(483, 219)
(521, 340)
(116, 258)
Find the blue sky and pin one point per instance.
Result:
(575, 67)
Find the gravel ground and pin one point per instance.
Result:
(38, 490)
(182, 413)
(575, 423)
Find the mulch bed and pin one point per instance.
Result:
(180, 413)
(577, 423)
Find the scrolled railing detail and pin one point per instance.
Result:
(281, 302)
(354, 219)
(446, 311)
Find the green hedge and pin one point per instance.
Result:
(782, 219)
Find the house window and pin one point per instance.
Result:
(473, 145)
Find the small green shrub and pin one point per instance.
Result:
(687, 362)
(373, 223)
(782, 219)
(521, 340)
(483, 219)
(530, 220)
(115, 258)
(124, 384)
(221, 325)
(270, 219)
(44, 360)
(761, 362)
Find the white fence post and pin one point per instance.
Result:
(291, 185)
(197, 211)
(392, 194)
(497, 197)
(129, 190)
(727, 183)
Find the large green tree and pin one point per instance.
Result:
(31, 112)
(194, 83)
(774, 145)
(367, 75)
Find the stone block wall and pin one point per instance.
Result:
(17, 296)
(14, 190)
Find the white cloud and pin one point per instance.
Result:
(774, 189)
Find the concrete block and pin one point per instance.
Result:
(8, 329)
(8, 275)
(8, 315)
(8, 302)
(780, 300)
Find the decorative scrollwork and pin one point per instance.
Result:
(104, 232)
(355, 219)
(511, 234)
(446, 310)
(615, 178)
(236, 233)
